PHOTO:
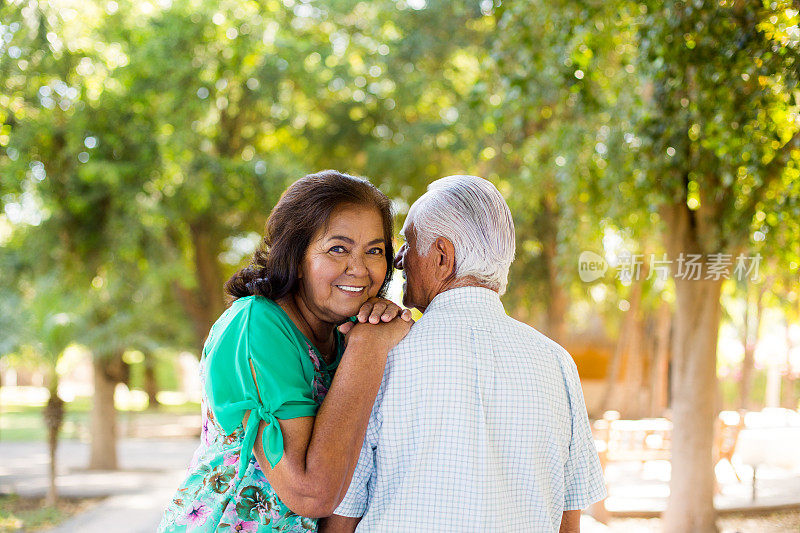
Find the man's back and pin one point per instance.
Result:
(479, 425)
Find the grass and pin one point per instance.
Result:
(21, 415)
(30, 514)
(26, 423)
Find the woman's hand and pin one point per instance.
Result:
(372, 313)
(380, 337)
(377, 310)
(321, 453)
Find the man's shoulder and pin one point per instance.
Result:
(525, 333)
(523, 338)
(424, 332)
(431, 333)
(437, 332)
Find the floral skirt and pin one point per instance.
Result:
(213, 498)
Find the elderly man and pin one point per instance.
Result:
(480, 423)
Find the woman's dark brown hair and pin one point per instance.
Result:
(304, 208)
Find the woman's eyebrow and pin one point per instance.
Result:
(351, 241)
(341, 238)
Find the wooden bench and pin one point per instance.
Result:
(649, 439)
(640, 441)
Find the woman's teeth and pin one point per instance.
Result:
(350, 289)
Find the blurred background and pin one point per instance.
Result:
(649, 151)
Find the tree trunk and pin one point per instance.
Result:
(635, 399)
(557, 312)
(661, 355)
(614, 367)
(788, 397)
(206, 300)
(54, 418)
(627, 350)
(772, 394)
(150, 382)
(557, 301)
(751, 334)
(108, 371)
(691, 505)
(209, 290)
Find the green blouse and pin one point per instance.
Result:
(256, 331)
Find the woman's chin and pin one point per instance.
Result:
(348, 311)
(343, 312)
(348, 306)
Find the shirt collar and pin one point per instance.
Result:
(466, 297)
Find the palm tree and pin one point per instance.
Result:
(51, 328)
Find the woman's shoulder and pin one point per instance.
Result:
(249, 307)
(266, 317)
(256, 316)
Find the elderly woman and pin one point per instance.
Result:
(273, 456)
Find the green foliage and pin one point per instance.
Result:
(719, 130)
(142, 146)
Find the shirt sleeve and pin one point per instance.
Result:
(255, 339)
(583, 475)
(356, 500)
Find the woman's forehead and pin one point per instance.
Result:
(351, 220)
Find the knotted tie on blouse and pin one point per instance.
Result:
(272, 438)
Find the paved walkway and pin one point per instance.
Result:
(642, 489)
(152, 468)
(136, 494)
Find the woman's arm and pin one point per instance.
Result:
(320, 453)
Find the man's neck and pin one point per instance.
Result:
(466, 281)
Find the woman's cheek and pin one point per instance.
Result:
(375, 286)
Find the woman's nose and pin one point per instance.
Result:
(356, 265)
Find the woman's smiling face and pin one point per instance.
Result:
(344, 264)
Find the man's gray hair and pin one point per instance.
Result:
(471, 213)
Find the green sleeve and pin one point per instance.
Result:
(256, 332)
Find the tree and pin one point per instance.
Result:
(549, 91)
(77, 159)
(45, 319)
(51, 328)
(719, 141)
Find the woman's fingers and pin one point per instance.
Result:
(366, 309)
(392, 310)
(377, 310)
(383, 334)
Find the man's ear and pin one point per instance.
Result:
(445, 257)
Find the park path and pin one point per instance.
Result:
(150, 471)
(136, 495)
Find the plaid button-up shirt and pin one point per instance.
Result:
(479, 425)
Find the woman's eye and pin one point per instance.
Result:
(338, 249)
(375, 251)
